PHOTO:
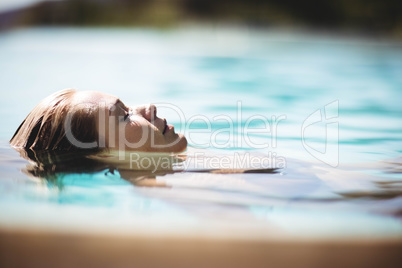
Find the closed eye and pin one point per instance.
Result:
(127, 115)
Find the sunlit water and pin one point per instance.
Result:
(325, 110)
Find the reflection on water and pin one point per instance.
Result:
(236, 73)
(302, 192)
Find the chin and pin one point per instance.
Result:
(181, 145)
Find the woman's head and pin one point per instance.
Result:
(73, 120)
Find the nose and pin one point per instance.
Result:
(149, 112)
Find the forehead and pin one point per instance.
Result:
(98, 98)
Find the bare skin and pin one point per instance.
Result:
(131, 128)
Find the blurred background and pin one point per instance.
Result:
(276, 58)
(364, 16)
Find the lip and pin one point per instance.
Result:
(165, 127)
(168, 128)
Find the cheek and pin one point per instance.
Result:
(142, 137)
(157, 138)
(134, 133)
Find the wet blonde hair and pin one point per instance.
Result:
(44, 128)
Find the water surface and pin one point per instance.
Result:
(339, 177)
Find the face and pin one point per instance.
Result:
(132, 128)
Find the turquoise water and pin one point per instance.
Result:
(324, 109)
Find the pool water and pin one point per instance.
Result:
(325, 110)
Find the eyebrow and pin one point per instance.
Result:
(119, 104)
